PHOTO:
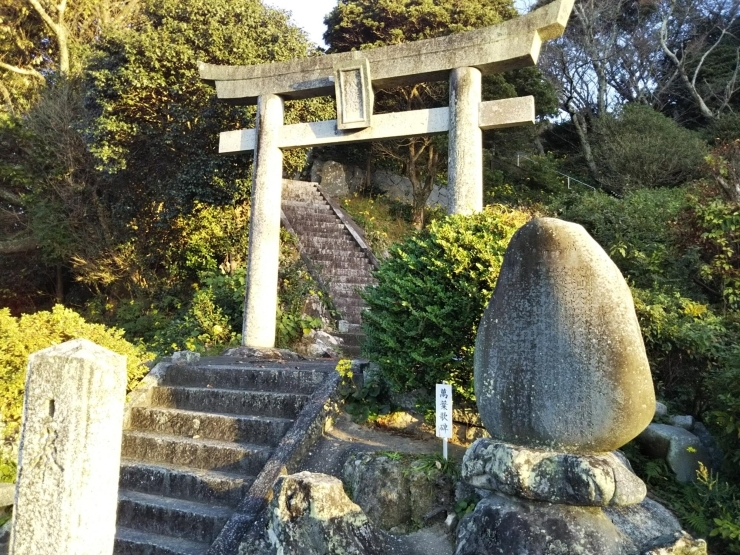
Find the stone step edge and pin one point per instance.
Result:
(205, 510)
(225, 415)
(247, 448)
(198, 472)
(166, 544)
(230, 390)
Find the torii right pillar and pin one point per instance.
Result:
(465, 166)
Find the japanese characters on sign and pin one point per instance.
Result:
(444, 410)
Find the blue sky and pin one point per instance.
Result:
(309, 14)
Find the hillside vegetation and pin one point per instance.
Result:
(115, 205)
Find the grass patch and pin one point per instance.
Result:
(382, 220)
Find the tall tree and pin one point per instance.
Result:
(678, 56)
(701, 47)
(155, 125)
(42, 38)
(358, 24)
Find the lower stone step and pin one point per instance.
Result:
(205, 454)
(225, 427)
(363, 280)
(205, 486)
(196, 522)
(255, 403)
(346, 288)
(136, 542)
(351, 339)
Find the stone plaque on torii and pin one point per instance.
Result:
(352, 76)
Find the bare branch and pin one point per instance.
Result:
(22, 71)
(17, 245)
(6, 96)
(709, 51)
(11, 198)
(705, 110)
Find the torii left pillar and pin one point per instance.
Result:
(258, 329)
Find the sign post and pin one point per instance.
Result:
(444, 415)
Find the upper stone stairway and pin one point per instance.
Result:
(191, 454)
(337, 255)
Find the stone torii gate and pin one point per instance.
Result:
(351, 76)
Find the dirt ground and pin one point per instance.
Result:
(331, 451)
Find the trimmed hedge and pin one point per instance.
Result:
(431, 294)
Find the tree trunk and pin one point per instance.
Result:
(582, 130)
(730, 188)
(60, 285)
(418, 202)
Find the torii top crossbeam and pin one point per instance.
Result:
(352, 76)
(509, 45)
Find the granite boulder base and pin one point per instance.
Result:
(559, 360)
(587, 480)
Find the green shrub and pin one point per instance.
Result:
(431, 293)
(717, 240)
(642, 148)
(687, 344)
(638, 231)
(19, 337)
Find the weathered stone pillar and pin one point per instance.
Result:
(264, 227)
(70, 451)
(465, 173)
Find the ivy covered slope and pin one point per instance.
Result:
(431, 292)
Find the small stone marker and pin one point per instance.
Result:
(70, 450)
(444, 414)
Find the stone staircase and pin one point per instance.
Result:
(335, 251)
(191, 453)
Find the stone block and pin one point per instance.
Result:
(684, 421)
(653, 530)
(396, 495)
(660, 410)
(586, 480)
(310, 514)
(70, 451)
(185, 357)
(682, 450)
(506, 525)
(7, 496)
(535, 527)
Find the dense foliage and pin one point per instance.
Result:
(114, 201)
(19, 337)
(431, 293)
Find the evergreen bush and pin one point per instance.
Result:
(19, 337)
(431, 293)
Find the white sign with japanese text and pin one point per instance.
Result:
(444, 410)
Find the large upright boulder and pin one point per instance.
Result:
(559, 361)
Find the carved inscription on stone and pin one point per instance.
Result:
(354, 95)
